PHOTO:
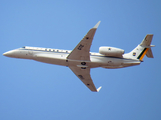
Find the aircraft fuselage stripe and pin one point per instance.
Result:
(140, 57)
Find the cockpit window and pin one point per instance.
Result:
(23, 47)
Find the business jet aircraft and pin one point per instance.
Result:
(80, 60)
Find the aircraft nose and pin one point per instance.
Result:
(8, 54)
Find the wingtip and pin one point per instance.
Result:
(96, 26)
(98, 89)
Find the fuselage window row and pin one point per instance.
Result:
(45, 49)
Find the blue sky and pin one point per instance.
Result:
(31, 90)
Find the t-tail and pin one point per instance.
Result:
(144, 48)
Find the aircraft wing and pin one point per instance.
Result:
(84, 76)
(81, 51)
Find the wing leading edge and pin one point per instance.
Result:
(81, 52)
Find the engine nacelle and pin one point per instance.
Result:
(111, 51)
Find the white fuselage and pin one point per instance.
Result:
(80, 60)
(59, 57)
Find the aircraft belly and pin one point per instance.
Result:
(106, 61)
(52, 61)
(128, 63)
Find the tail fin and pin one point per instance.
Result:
(144, 48)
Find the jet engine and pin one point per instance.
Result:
(111, 51)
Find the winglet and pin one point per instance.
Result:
(98, 89)
(96, 26)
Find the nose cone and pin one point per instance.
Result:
(8, 54)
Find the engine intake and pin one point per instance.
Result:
(111, 51)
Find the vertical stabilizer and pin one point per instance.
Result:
(144, 48)
(149, 53)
